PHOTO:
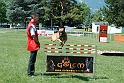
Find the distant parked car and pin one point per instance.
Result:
(1, 26)
(53, 28)
(12, 26)
(5, 26)
(20, 27)
(47, 28)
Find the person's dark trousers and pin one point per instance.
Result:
(31, 64)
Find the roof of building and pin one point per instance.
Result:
(100, 23)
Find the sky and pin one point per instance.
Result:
(93, 4)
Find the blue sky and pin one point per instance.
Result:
(93, 4)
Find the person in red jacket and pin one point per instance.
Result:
(33, 44)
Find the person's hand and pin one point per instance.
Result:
(38, 43)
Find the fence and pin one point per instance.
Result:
(71, 51)
(90, 35)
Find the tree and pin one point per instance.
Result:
(114, 12)
(97, 16)
(55, 11)
(3, 18)
(88, 22)
(65, 12)
(52, 12)
(19, 10)
(83, 14)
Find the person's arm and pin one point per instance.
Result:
(36, 39)
(32, 31)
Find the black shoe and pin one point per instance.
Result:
(30, 75)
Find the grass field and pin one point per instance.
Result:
(14, 60)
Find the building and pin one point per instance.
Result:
(111, 29)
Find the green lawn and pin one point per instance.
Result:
(14, 60)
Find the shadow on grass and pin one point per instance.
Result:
(59, 75)
(102, 78)
(81, 77)
(113, 54)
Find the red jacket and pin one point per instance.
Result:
(31, 45)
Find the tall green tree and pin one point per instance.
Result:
(77, 15)
(3, 18)
(88, 22)
(56, 9)
(97, 16)
(114, 12)
(56, 12)
(65, 12)
(19, 10)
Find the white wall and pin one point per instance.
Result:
(111, 29)
(45, 32)
(94, 28)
